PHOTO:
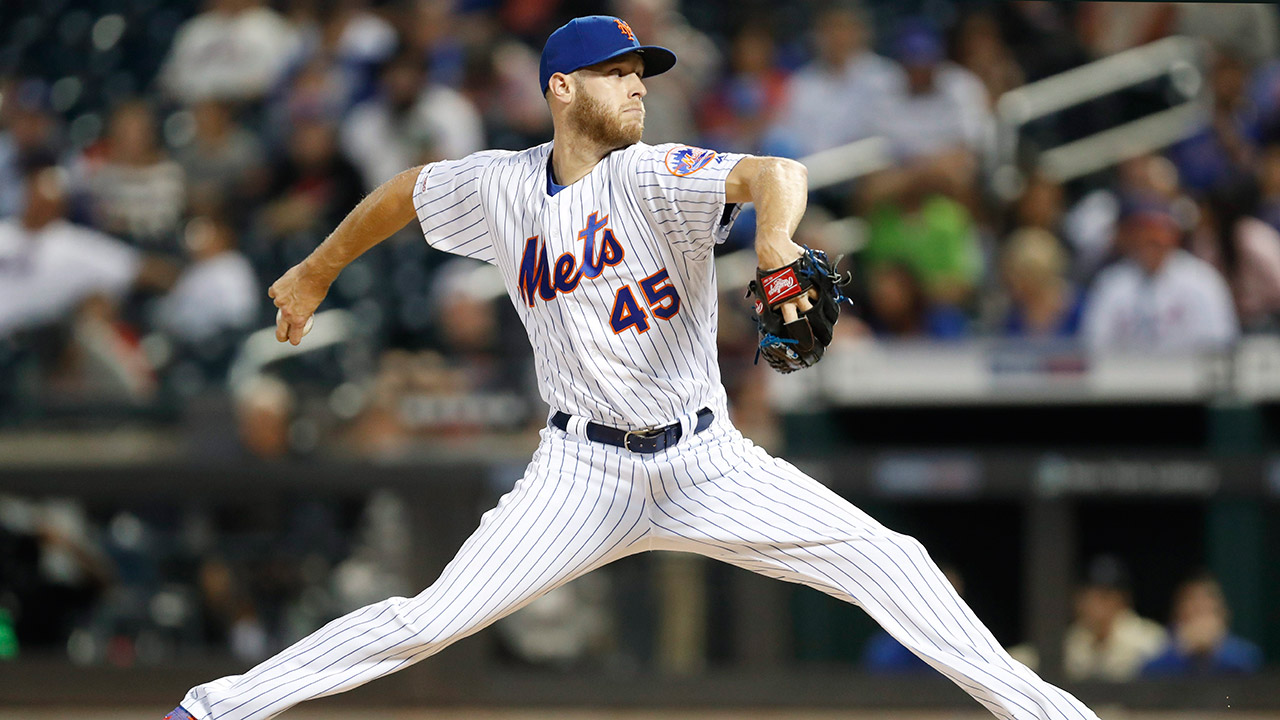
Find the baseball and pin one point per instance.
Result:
(305, 328)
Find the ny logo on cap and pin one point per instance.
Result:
(626, 30)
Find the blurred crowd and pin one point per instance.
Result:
(1108, 641)
(146, 584)
(162, 164)
(173, 161)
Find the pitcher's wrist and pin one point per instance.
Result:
(774, 252)
(320, 268)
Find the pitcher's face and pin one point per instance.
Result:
(608, 102)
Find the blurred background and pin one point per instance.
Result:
(1062, 373)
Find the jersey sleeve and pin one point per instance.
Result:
(683, 187)
(447, 198)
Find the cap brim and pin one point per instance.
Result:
(657, 59)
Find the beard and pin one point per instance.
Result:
(599, 125)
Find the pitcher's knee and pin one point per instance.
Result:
(413, 617)
(438, 623)
(906, 543)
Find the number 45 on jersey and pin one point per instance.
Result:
(659, 294)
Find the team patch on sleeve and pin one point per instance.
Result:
(684, 160)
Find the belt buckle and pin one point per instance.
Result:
(644, 434)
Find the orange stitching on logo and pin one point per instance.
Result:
(626, 30)
(688, 160)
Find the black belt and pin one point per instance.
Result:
(649, 440)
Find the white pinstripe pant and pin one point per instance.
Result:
(581, 505)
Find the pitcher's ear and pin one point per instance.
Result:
(560, 86)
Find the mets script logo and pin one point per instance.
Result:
(781, 286)
(539, 278)
(626, 30)
(685, 160)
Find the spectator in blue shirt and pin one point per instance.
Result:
(900, 308)
(1042, 302)
(1225, 148)
(1200, 642)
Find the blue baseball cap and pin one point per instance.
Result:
(594, 39)
(918, 43)
(1146, 206)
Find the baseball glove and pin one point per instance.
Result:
(790, 346)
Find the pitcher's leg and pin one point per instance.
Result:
(735, 503)
(565, 517)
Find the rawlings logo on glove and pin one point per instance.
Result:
(790, 346)
(781, 285)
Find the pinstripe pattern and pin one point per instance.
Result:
(489, 204)
(580, 504)
(731, 501)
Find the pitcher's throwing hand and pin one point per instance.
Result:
(605, 245)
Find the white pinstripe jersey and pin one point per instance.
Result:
(612, 276)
